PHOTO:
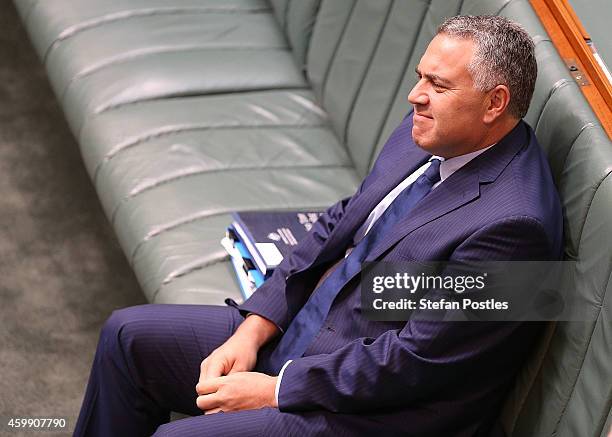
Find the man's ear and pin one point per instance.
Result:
(497, 100)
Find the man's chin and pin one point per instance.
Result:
(420, 140)
(428, 145)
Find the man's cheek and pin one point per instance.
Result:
(424, 131)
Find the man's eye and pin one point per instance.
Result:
(438, 87)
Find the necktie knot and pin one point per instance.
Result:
(433, 171)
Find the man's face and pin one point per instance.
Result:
(448, 111)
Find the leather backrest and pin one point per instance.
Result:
(566, 388)
(361, 65)
(297, 18)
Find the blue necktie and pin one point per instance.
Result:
(310, 318)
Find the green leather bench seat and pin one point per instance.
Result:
(158, 231)
(52, 22)
(97, 61)
(272, 148)
(107, 136)
(148, 79)
(188, 110)
(197, 36)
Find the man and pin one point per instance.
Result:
(462, 178)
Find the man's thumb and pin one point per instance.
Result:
(215, 369)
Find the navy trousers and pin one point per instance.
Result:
(147, 364)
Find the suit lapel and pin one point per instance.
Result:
(461, 187)
(358, 211)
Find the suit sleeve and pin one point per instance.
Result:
(425, 357)
(271, 300)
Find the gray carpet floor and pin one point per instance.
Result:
(61, 270)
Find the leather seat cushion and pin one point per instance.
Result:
(195, 35)
(169, 173)
(116, 53)
(177, 74)
(107, 135)
(49, 22)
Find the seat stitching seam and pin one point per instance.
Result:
(315, 15)
(193, 219)
(134, 194)
(399, 82)
(365, 72)
(504, 6)
(561, 83)
(588, 343)
(187, 95)
(216, 93)
(460, 7)
(584, 128)
(596, 187)
(170, 278)
(333, 57)
(178, 224)
(286, 18)
(128, 14)
(580, 371)
(540, 366)
(584, 356)
(130, 56)
(608, 407)
(161, 133)
(105, 108)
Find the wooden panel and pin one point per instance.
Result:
(570, 39)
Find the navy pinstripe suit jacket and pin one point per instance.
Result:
(419, 378)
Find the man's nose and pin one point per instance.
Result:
(417, 95)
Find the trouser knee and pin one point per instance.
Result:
(120, 330)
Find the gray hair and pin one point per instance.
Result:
(504, 55)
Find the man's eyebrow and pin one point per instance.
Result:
(433, 77)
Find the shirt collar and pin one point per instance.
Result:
(451, 165)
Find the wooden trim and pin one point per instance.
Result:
(571, 16)
(570, 38)
(578, 37)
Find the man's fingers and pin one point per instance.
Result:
(203, 368)
(214, 369)
(213, 411)
(208, 402)
(236, 369)
(207, 386)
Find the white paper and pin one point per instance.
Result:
(270, 253)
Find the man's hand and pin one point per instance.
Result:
(239, 352)
(234, 355)
(235, 392)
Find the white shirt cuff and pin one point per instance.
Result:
(280, 377)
